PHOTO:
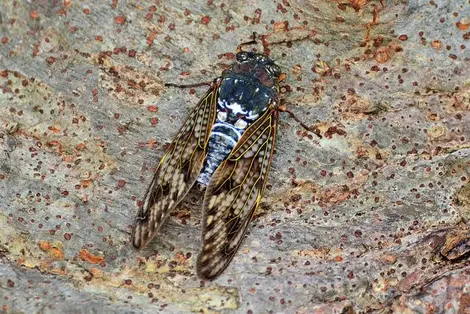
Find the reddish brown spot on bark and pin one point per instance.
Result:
(205, 20)
(120, 19)
(152, 108)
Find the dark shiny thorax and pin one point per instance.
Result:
(249, 86)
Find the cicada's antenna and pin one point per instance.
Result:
(251, 42)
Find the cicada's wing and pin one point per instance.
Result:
(234, 193)
(177, 171)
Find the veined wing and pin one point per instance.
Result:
(178, 169)
(234, 193)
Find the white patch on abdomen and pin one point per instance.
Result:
(223, 139)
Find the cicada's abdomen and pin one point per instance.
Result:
(223, 139)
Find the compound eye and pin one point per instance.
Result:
(242, 56)
(274, 69)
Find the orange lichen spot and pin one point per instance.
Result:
(99, 38)
(320, 253)
(95, 272)
(89, 257)
(358, 4)
(44, 245)
(85, 183)
(180, 258)
(67, 3)
(282, 107)
(282, 77)
(120, 19)
(436, 44)
(186, 50)
(55, 130)
(80, 146)
(389, 258)
(463, 24)
(87, 11)
(4, 40)
(280, 26)
(34, 15)
(433, 117)
(54, 250)
(338, 259)
(151, 38)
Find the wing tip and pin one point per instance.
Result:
(140, 236)
(208, 270)
(205, 274)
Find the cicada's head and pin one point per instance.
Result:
(259, 66)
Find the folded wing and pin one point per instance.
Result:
(177, 171)
(234, 193)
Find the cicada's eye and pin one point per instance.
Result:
(242, 56)
(273, 69)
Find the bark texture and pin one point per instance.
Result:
(373, 217)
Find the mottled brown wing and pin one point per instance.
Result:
(177, 171)
(234, 193)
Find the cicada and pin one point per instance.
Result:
(226, 145)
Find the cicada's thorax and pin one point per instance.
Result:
(245, 92)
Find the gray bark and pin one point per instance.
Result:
(373, 217)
